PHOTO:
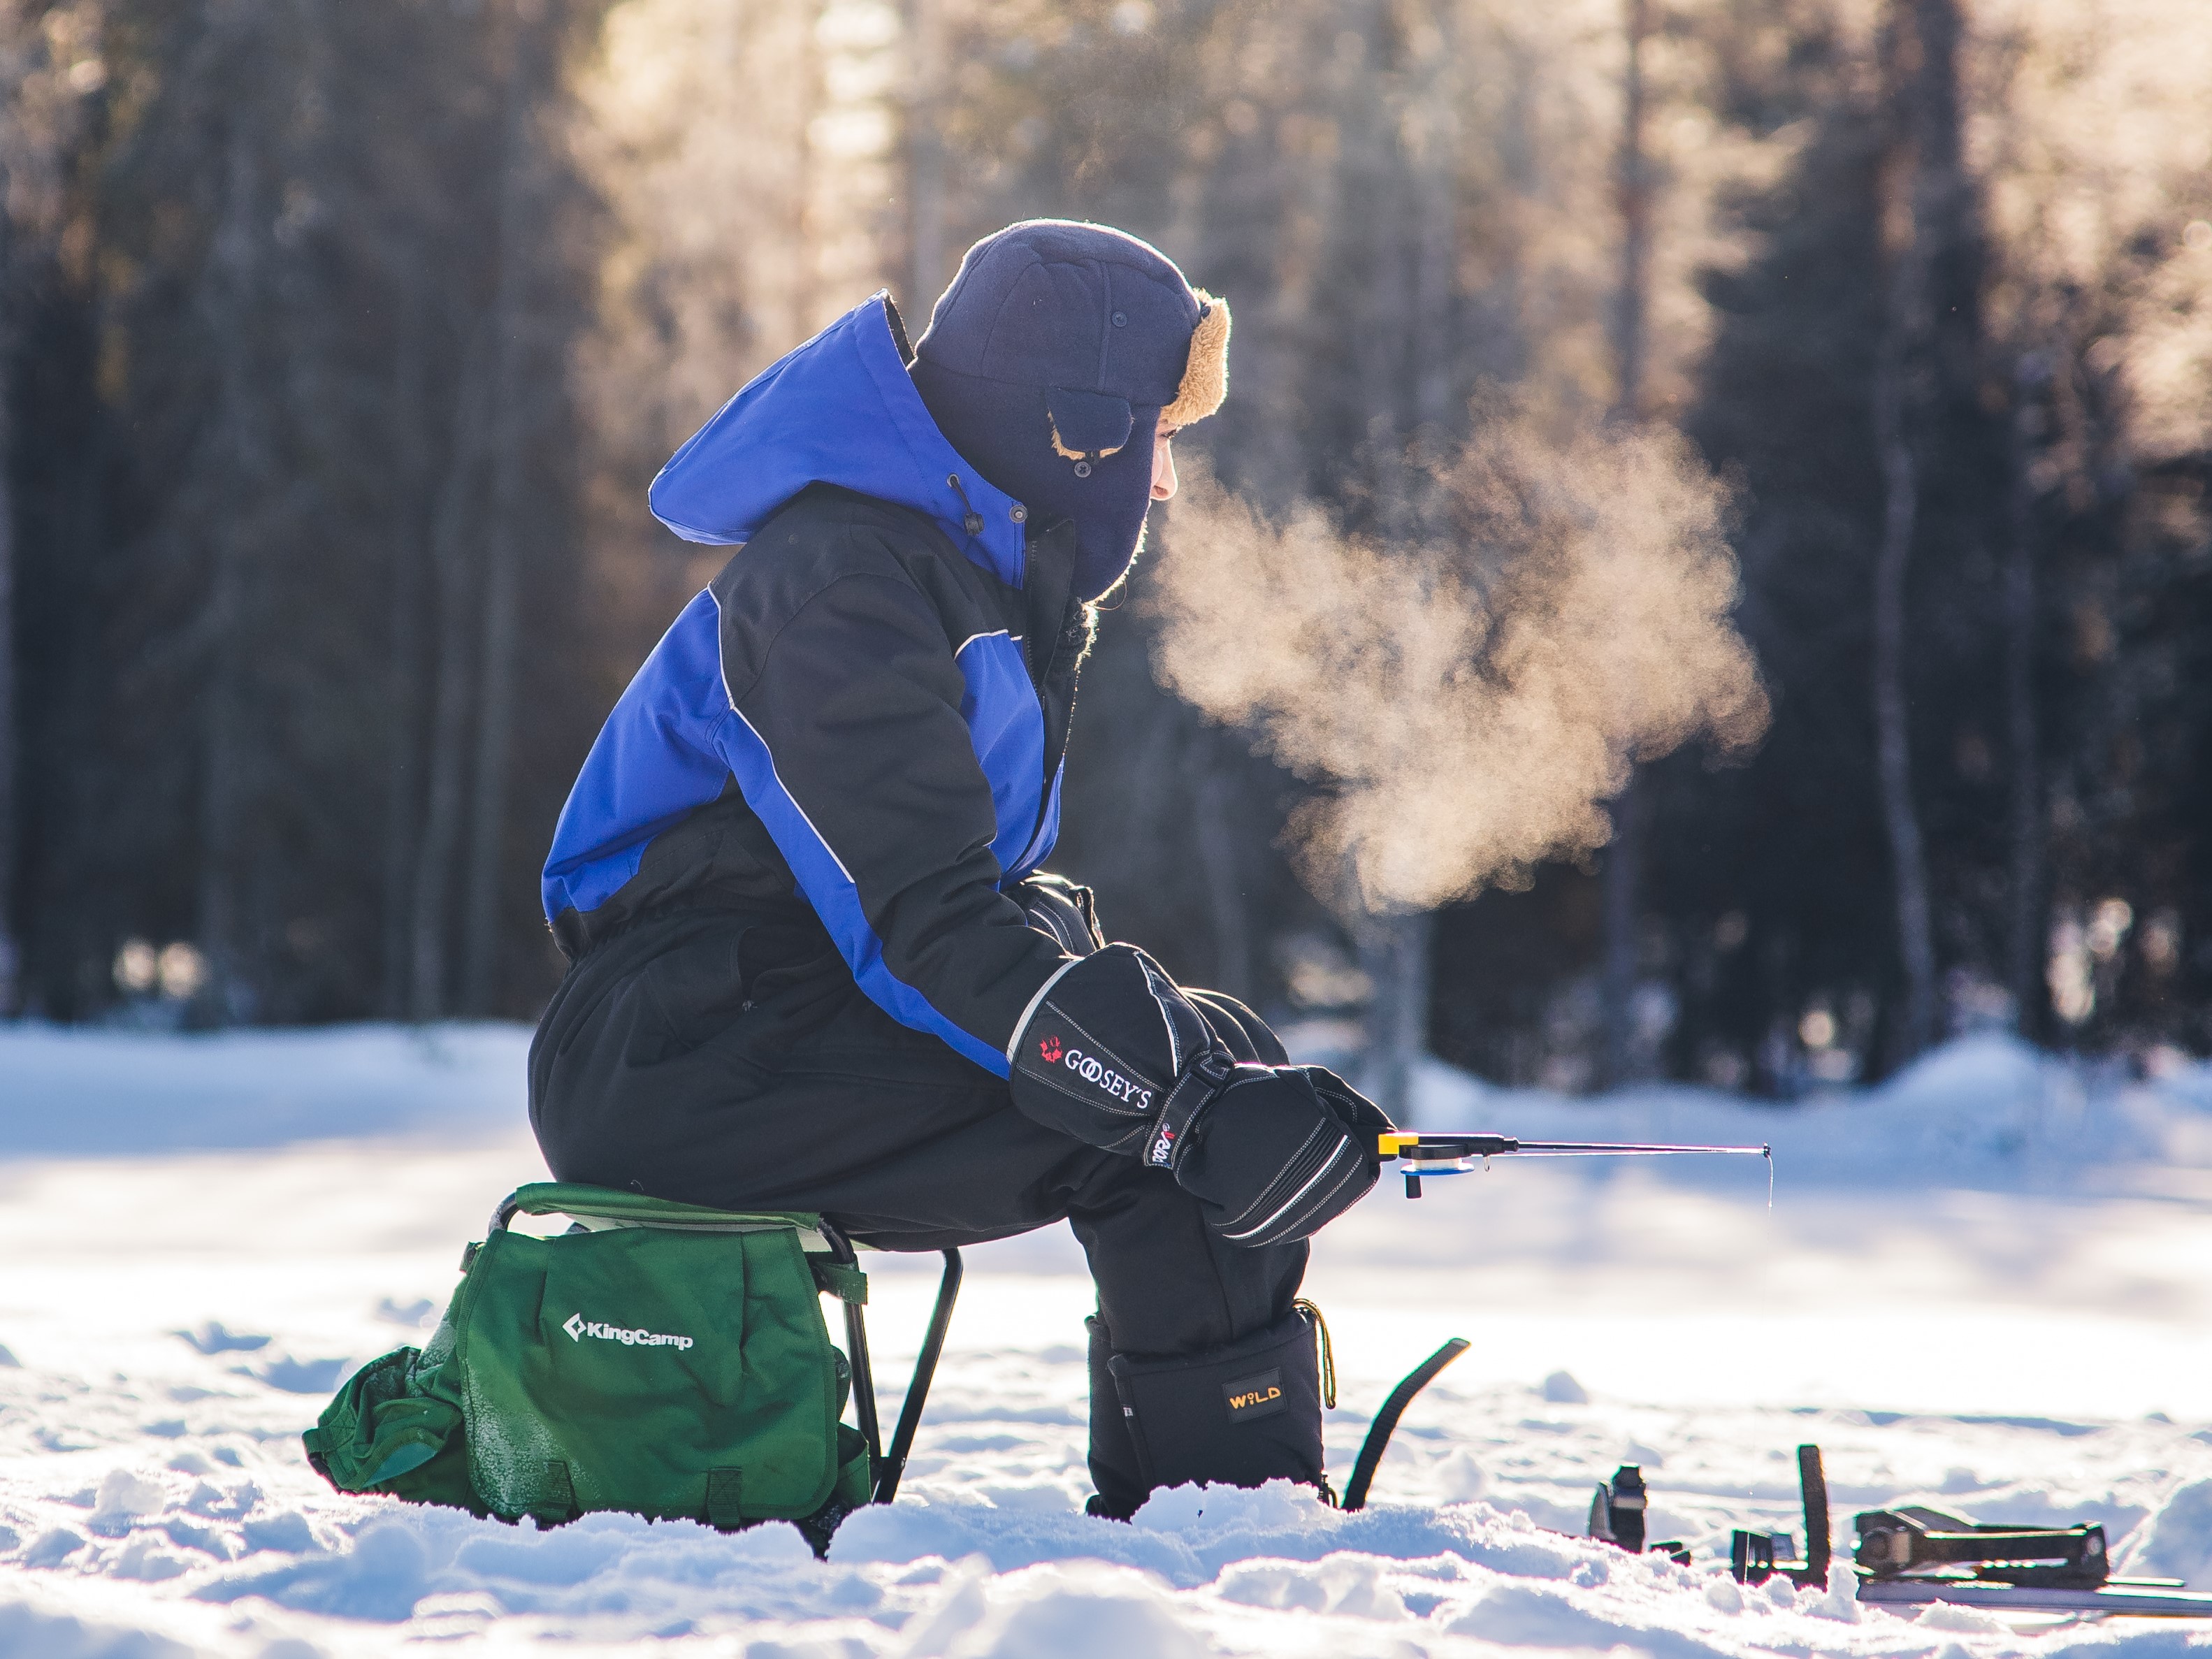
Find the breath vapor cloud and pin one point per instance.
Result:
(1468, 703)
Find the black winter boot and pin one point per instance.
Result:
(1114, 1470)
(1240, 1416)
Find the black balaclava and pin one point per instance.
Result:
(1048, 364)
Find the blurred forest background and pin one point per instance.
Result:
(343, 339)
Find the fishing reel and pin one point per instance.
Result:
(1441, 1155)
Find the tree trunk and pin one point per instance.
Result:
(1435, 234)
(1631, 327)
(1633, 299)
(1894, 768)
(239, 456)
(1924, 203)
(456, 586)
(2025, 932)
(1214, 791)
(1618, 897)
(1403, 338)
(10, 747)
(537, 30)
(925, 162)
(1394, 953)
(408, 665)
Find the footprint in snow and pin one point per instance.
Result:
(303, 1375)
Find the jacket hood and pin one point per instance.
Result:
(840, 409)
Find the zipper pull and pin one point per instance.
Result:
(973, 523)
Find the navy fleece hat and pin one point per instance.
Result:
(1048, 364)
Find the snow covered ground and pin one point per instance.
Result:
(1988, 1287)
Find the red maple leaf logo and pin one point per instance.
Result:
(1050, 1049)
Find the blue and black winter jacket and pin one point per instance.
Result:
(861, 719)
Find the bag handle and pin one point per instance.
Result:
(827, 1255)
(623, 1207)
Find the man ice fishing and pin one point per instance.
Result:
(815, 961)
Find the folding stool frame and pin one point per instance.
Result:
(888, 1466)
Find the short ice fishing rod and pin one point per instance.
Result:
(1443, 1155)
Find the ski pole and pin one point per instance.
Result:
(1441, 1155)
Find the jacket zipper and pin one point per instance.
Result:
(1040, 677)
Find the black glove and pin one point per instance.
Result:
(1114, 1053)
(1062, 909)
(1284, 1151)
(1238, 1029)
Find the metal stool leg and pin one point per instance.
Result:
(856, 1344)
(925, 1371)
(885, 1470)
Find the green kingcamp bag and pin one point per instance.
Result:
(661, 1358)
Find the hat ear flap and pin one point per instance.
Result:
(1205, 375)
(1087, 426)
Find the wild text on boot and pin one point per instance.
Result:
(1254, 1396)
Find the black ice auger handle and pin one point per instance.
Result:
(917, 1392)
(1386, 1420)
(1812, 1489)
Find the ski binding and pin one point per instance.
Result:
(1911, 1555)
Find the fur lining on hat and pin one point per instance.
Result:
(1206, 376)
(1066, 454)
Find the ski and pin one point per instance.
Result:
(2141, 1598)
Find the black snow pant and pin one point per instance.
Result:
(701, 1060)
